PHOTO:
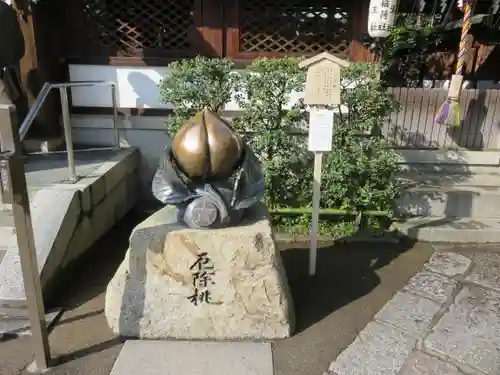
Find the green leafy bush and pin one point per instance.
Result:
(404, 52)
(358, 175)
(193, 84)
(360, 171)
(269, 122)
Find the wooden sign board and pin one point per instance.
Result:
(323, 79)
(322, 89)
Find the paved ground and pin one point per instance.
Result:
(353, 283)
(446, 321)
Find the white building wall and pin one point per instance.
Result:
(137, 87)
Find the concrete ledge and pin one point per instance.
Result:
(110, 210)
(97, 184)
(463, 201)
(463, 157)
(449, 229)
(68, 218)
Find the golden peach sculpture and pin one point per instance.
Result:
(209, 173)
(207, 147)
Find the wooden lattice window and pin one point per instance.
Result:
(134, 28)
(278, 27)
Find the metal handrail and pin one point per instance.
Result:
(63, 91)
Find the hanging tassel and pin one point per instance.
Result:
(449, 113)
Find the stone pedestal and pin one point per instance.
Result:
(183, 283)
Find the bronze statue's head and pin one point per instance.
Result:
(207, 148)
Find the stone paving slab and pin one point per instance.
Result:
(194, 358)
(469, 333)
(423, 364)
(435, 287)
(378, 350)
(446, 321)
(410, 313)
(448, 264)
(486, 270)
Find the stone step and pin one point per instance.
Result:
(450, 169)
(450, 229)
(448, 162)
(194, 358)
(490, 178)
(453, 201)
(444, 194)
(462, 158)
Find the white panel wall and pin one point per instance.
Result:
(137, 87)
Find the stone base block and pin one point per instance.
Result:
(181, 283)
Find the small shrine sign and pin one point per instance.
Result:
(322, 90)
(323, 79)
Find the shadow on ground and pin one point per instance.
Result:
(353, 282)
(345, 272)
(81, 341)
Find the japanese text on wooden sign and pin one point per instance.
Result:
(323, 79)
(323, 84)
(381, 17)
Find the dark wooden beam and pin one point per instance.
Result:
(36, 68)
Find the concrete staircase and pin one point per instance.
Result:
(452, 196)
(67, 218)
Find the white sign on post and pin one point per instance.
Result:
(320, 129)
(322, 89)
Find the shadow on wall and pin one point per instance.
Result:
(147, 96)
(440, 171)
(414, 124)
(146, 89)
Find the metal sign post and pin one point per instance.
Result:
(14, 191)
(322, 90)
(320, 141)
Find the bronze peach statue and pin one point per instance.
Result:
(209, 173)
